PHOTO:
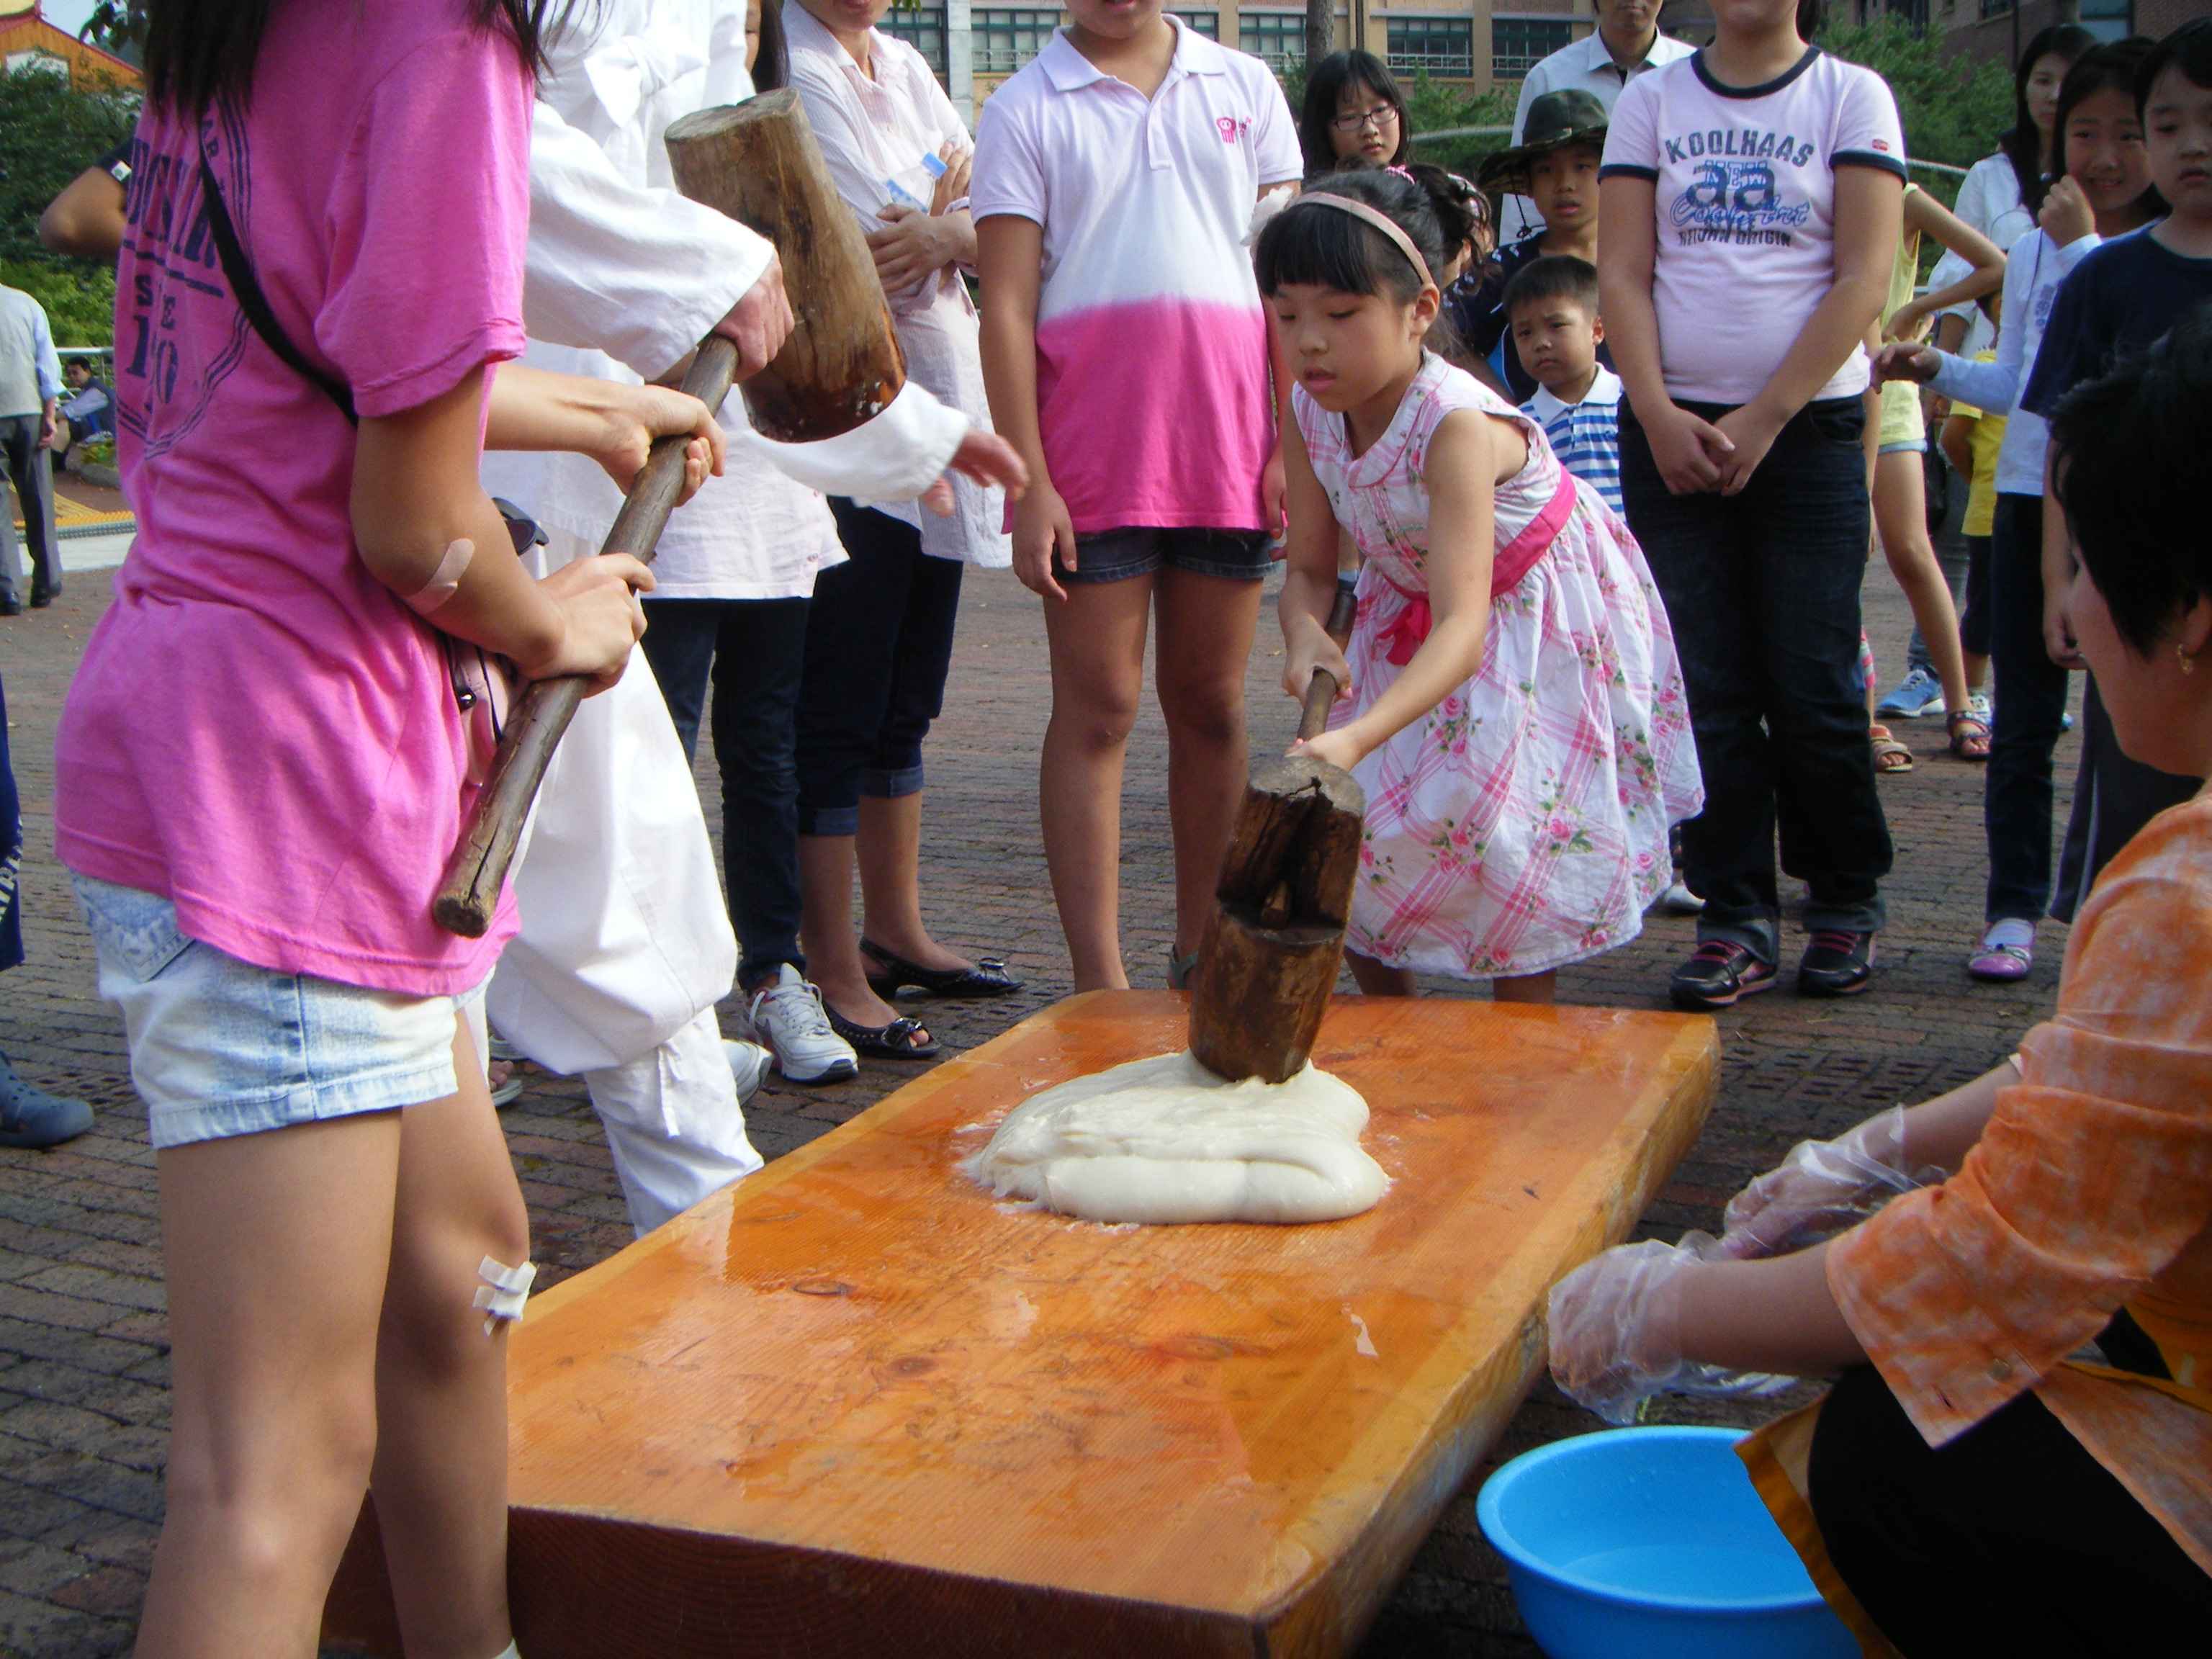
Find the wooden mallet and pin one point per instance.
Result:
(758, 162)
(1268, 961)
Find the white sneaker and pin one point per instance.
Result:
(787, 1016)
(1678, 900)
(748, 1066)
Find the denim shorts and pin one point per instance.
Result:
(220, 1048)
(1113, 555)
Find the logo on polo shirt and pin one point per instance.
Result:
(1231, 128)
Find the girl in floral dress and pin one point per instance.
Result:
(1513, 706)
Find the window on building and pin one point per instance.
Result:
(1206, 22)
(1277, 38)
(1517, 45)
(922, 28)
(1004, 40)
(2109, 20)
(1444, 47)
(1996, 8)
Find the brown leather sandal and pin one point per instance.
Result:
(1890, 757)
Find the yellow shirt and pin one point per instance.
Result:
(1982, 488)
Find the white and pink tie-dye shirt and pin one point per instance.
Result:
(1152, 385)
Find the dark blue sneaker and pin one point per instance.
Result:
(1836, 963)
(1718, 975)
(30, 1117)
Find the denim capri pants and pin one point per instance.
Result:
(220, 1048)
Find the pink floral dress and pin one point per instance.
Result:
(1521, 824)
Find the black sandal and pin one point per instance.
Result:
(988, 978)
(891, 1042)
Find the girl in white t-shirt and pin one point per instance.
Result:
(1751, 199)
(1127, 357)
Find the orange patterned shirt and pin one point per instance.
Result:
(2090, 1190)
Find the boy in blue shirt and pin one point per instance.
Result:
(1552, 303)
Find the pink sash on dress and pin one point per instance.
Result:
(1403, 637)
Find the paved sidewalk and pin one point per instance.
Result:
(83, 1367)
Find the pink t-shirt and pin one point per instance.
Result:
(260, 730)
(1151, 345)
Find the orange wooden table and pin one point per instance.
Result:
(855, 1406)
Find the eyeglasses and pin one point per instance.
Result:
(1385, 116)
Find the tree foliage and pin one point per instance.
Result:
(119, 26)
(1953, 108)
(50, 132)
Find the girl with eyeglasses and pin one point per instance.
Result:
(1353, 107)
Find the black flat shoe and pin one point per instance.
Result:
(988, 978)
(893, 1041)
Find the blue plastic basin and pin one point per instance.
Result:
(1651, 1544)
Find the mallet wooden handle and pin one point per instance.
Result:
(1320, 690)
(471, 890)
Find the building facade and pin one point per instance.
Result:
(1997, 29)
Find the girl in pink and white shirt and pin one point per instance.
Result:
(1126, 355)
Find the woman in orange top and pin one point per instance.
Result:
(1975, 1489)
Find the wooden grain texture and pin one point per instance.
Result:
(1273, 944)
(760, 163)
(854, 1407)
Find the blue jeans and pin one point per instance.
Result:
(753, 650)
(1763, 590)
(878, 647)
(2031, 712)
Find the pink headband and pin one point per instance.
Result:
(1382, 222)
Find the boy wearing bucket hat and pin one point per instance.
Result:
(1556, 166)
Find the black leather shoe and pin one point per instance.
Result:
(43, 597)
(988, 978)
(1719, 975)
(10, 605)
(1836, 963)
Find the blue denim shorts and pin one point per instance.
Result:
(220, 1048)
(1113, 555)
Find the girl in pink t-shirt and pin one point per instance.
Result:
(1126, 355)
(262, 767)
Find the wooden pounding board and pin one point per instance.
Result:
(854, 1406)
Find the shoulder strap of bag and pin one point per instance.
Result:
(254, 303)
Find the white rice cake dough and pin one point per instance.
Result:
(1165, 1141)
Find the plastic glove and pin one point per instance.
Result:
(1616, 1327)
(1822, 1188)
(1616, 1332)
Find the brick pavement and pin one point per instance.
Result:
(83, 1400)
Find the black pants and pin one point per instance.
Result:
(753, 650)
(2031, 709)
(878, 647)
(31, 468)
(2114, 797)
(2009, 1540)
(1763, 591)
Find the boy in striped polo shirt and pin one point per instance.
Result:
(1551, 304)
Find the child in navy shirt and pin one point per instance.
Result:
(2116, 302)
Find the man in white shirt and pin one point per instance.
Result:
(30, 394)
(1626, 42)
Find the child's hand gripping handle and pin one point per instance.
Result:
(1321, 690)
(470, 893)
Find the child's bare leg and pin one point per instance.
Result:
(1900, 504)
(440, 1474)
(1096, 636)
(1206, 626)
(1526, 987)
(274, 1246)
(1376, 979)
